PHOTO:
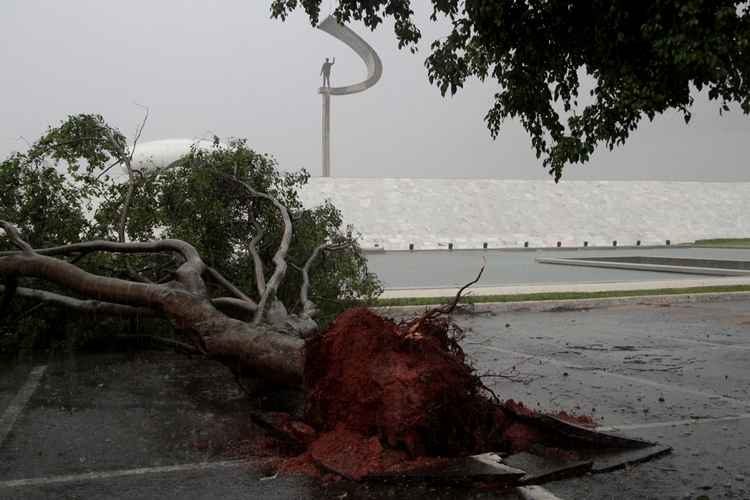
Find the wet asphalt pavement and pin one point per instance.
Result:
(660, 373)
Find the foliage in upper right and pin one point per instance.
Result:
(644, 57)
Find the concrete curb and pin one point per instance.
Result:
(609, 286)
(578, 304)
(661, 268)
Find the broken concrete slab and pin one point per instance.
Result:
(540, 469)
(580, 436)
(609, 462)
(484, 468)
(607, 451)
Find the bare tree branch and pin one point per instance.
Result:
(113, 290)
(125, 207)
(309, 309)
(515, 377)
(108, 168)
(235, 308)
(447, 308)
(131, 181)
(15, 237)
(217, 276)
(154, 246)
(267, 350)
(122, 226)
(260, 277)
(87, 306)
(279, 258)
(189, 273)
(136, 275)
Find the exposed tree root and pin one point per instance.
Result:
(385, 397)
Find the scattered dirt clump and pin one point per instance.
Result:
(353, 455)
(582, 420)
(302, 465)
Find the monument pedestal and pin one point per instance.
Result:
(326, 131)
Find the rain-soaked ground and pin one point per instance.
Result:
(161, 425)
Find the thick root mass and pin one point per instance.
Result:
(408, 385)
(387, 398)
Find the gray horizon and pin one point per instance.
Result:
(230, 70)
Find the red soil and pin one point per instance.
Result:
(294, 429)
(406, 384)
(521, 436)
(387, 397)
(343, 453)
(301, 465)
(582, 420)
(353, 455)
(518, 408)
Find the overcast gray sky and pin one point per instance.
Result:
(226, 68)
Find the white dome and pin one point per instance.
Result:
(160, 154)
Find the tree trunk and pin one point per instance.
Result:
(269, 347)
(270, 352)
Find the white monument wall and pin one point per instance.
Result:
(431, 213)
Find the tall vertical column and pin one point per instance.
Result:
(326, 132)
(374, 72)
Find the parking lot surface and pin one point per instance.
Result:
(162, 425)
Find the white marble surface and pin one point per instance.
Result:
(431, 213)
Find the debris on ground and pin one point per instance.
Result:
(386, 399)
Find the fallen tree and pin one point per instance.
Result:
(269, 345)
(407, 386)
(366, 380)
(381, 397)
(78, 238)
(366, 377)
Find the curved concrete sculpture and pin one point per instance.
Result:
(374, 72)
(155, 155)
(369, 56)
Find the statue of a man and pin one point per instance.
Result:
(326, 72)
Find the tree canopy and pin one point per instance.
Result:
(642, 57)
(68, 188)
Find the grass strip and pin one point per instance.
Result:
(724, 243)
(523, 297)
